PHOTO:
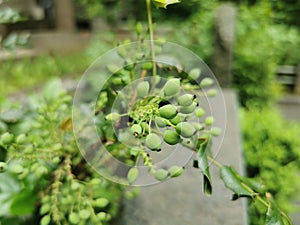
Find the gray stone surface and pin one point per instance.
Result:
(181, 201)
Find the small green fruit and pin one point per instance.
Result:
(172, 87)
(74, 218)
(185, 129)
(133, 174)
(209, 121)
(177, 119)
(175, 171)
(199, 112)
(21, 139)
(113, 116)
(160, 122)
(46, 220)
(171, 137)
(186, 99)
(167, 111)
(84, 214)
(45, 209)
(3, 167)
(6, 138)
(101, 202)
(113, 68)
(215, 131)
(139, 28)
(136, 129)
(198, 126)
(188, 109)
(153, 141)
(147, 66)
(17, 169)
(161, 174)
(212, 92)
(195, 73)
(206, 82)
(101, 216)
(143, 89)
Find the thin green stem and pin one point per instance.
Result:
(150, 24)
(215, 162)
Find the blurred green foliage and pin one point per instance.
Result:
(272, 151)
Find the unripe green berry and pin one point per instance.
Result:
(153, 141)
(185, 129)
(28, 149)
(175, 171)
(143, 89)
(133, 174)
(209, 121)
(139, 28)
(160, 122)
(172, 87)
(198, 126)
(177, 119)
(101, 216)
(171, 137)
(113, 68)
(161, 174)
(212, 92)
(21, 139)
(199, 112)
(101, 202)
(136, 129)
(186, 99)
(74, 218)
(3, 167)
(6, 138)
(147, 66)
(17, 169)
(45, 209)
(84, 214)
(206, 82)
(188, 109)
(3, 127)
(167, 111)
(46, 220)
(195, 73)
(215, 131)
(113, 116)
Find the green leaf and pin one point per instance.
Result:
(203, 166)
(23, 203)
(231, 180)
(274, 216)
(164, 3)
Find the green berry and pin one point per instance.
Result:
(3, 167)
(199, 112)
(153, 141)
(45, 220)
(84, 214)
(45, 209)
(136, 129)
(206, 82)
(175, 171)
(185, 129)
(17, 169)
(212, 92)
(186, 99)
(3, 127)
(160, 122)
(195, 73)
(75, 186)
(113, 116)
(172, 87)
(215, 131)
(74, 218)
(113, 68)
(198, 126)
(209, 121)
(147, 66)
(171, 137)
(101, 202)
(161, 174)
(21, 139)
(101, 216)
(177, 119)
(143, 89)
(133, 174)
(6, 138)
(167, 111)
(188, 109)
(139, 28)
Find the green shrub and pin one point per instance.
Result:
(272, 151)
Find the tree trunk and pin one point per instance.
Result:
(65, 15)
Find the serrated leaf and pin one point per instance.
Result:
(203, 166)
(231, 180)
(164, 3)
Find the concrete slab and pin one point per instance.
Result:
(181, 201)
